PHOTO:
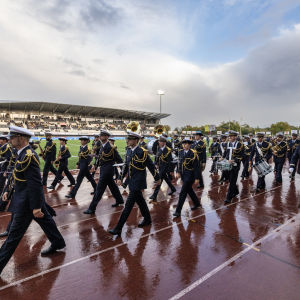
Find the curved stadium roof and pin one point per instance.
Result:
(60, 108)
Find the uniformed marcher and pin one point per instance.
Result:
(292, 146)
(83, 166)
(112, 142)
(62, 160)
(200, 147)
(96, 148)
(108, 155)
(189, 173)
(262, 150)
(214, 151)
(137, 159)
(165, 167)
(5, 154)
(245, 160)
(294, 161)
(251, 139)
(279, 155)
(234, 154)
(8, 175)
(50, 155)
(222, 149)
(28, 200)
(176, 143)
(142, 143)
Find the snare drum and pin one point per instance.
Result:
(262, 168)
(224, 165)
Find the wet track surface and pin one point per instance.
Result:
(249, 249)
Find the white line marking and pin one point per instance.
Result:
(114, 247)
(226, 263)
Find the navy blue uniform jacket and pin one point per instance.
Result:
(50, 151)
(28, 189)
(189, 165)
(165, 160)
(237, 154)
(200, 148)
(135, 166)
(292, 147)
(265, 149)
(281, 153)
(65, 154)
(295, 159)
(108, 155)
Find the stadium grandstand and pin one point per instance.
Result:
(70, 119)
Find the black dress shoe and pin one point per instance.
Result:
(144, 223)
(176, 214)
(51, 250)
(124, 186)
(115, 231)
(117, 204)
(93, 193)
(89, 212)
(152, 197)
(69, 196)
(227, 201)
(51, 187)
(5, 233)
(69, 185)
(293, 178)
(195, 207)
(220, 180)
(200, 186)
(257, 190)
(172, 192)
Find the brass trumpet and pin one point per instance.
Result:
(275, 146)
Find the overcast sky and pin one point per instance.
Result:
(214, 59)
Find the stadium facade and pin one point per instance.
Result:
(68, 119)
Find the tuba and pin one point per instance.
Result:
(133, 126)
(158, 130)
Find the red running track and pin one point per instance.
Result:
(248, 249)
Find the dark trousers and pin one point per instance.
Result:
(225, 175)
(278, 168)
(233, 176)
(187, 188)
(164, 176)
(134, 196)
(2, 182)
(245, 172)
(104, 181)
(59, 175)
(294, 172)
(83, 173)
(261, 183)
(48, 167)
(20, 223)
(213, 166)
(201, 182)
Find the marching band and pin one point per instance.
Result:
(185, 157)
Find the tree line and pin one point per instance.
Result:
(245, 128)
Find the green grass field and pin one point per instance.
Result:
(74, 145)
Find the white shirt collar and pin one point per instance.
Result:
(103, 145)
(132, 149)
(19, 151)
(84, 146)
(186, 151)
(162, 149)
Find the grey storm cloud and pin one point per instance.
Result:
(77, 73)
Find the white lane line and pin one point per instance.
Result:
(226, 263)
(137, 239)
(208, 212)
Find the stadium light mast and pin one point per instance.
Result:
(160, 93)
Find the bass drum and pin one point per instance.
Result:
(150, 146)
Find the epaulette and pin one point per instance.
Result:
(169, 149)
(29, 152)
(145, 150)
(195, 152)
(181, 150)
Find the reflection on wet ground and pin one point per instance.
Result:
(210, 247)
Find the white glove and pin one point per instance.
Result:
(291, 170)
